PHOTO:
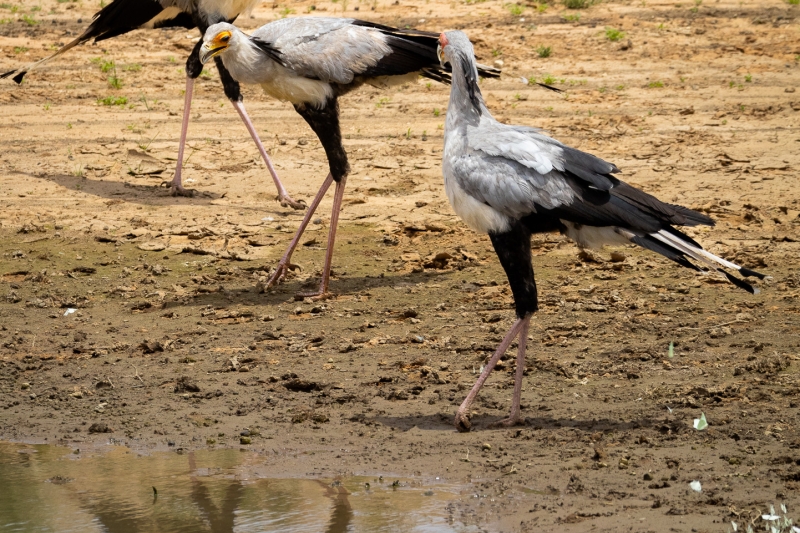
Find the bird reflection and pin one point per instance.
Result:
(342, 513)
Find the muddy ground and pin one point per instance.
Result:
(173, 344)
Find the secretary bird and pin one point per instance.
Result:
(122, 16)
(514, 181)
(311, 62)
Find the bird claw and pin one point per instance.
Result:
(281, 270)
(463, 425)
(511, 421)
(286, 201)
(316, 296)
(177, 190)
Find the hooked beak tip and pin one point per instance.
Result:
(207, 53)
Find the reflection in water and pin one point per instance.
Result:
(342, 514)
(50, 489)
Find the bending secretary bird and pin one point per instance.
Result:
(311, 62)
(513, 181)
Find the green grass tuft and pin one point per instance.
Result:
(613, 34)
(112, 100)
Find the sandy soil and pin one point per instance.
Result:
(174, 345)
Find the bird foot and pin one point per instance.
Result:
(463, 425)
(316, 296)
(509, 422)
(286, 201)
(177, 190)
(281, 270)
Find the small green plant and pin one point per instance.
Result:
(515, 9)
(541, 8)
(171, 59)
(408, 134)
(658, 84)
(46, 106)
(112, 100)
(661, 27)
(496, 52)
(436, 112)
(133, 67)
(613, 34)
(69, 125)
(544, 51)
(731, 84)
(428, 85)
(548, 108)
(29, 20)
(549, 80)
(382, 102)
(34, 9)
(573, 17)
(105, 65)
(602, 90)
(206, 75)
(285, 12)
(113, 81)
(577, 4)
(748, 78)
(793, 2)
(20, 49)
(620, 87)
(77, 171)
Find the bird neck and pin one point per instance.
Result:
(466, 101)
(248, 63)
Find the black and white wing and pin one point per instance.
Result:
(339, 50)
(523, 172)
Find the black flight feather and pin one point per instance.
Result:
(268, 49)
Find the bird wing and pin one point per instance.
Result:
(338, 50)
(533, 149)
(519, 171)
(513, 180)
(326, 49)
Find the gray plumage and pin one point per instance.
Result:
(513, 181)
(305, 60)
(496, 174)
(311, 62)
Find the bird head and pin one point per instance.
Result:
(440, 48)
(454, 45)
(216, 40)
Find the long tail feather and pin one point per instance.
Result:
(19, 74)
(710, 260)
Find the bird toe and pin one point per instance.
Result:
(463, 425)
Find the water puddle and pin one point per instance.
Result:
(51, 489)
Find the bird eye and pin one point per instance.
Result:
(225, 38)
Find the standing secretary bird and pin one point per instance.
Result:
(122, 16)
(513, 181)
(311, 62)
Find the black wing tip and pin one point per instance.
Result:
(746, 272)
(17, 78)
(740, 283)
(488, 72)
(549, 87)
